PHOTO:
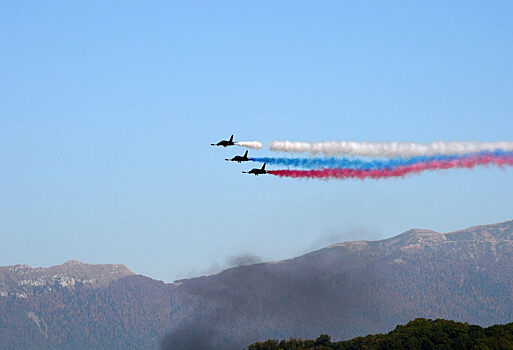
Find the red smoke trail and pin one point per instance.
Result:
(400, 171)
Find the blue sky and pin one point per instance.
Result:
(108, 110)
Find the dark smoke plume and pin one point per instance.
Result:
(301, 297)
(243, 260)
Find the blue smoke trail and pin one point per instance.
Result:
(364, 164)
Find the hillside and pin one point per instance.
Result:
(346, 290)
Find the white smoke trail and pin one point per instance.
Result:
(250, 144)
(389, 149)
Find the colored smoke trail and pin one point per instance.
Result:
(250, 144)
(355, 163)
(389, 149)
(401, 171)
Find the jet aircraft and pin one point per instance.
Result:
(239, 159)
(224, 143)
(256, 171)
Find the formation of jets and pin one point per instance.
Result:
(238, 159)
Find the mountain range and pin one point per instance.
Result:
(345, 290)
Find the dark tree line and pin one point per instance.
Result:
(419, 334)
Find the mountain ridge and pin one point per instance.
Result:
(347, 289)
(410, 234)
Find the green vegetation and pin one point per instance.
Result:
(419, 334)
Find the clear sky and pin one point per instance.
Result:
(108, 109)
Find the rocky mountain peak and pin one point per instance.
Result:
(74, 263)
(24, 280)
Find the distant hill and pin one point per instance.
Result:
(346, 290)
(417, 334)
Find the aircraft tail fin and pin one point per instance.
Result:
(263, 166)
(231, 139)
(246, 154)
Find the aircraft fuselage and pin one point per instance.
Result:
(256, 171)
(224, 143)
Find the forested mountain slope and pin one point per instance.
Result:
(345, 290)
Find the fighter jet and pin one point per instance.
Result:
(256, 171)
(239, 159)
(224, 143)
